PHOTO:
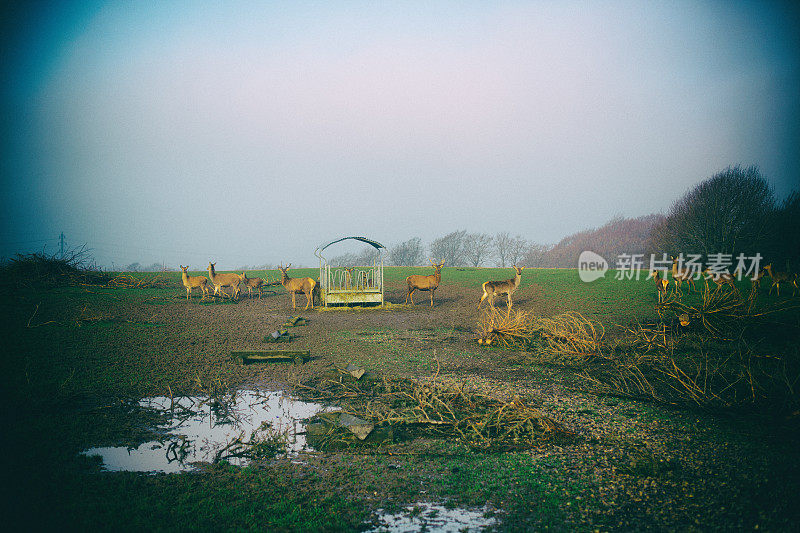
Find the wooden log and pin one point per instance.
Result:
(272, 356)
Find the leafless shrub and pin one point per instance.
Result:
(73, 267)
(568, 339)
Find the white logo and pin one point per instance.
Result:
(591, 266)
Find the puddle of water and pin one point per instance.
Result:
(200, 429)
(430, 517)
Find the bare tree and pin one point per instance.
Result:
(517, 249)
(364, 257)
(477, 248)
(407, 253)
(450, 248)
(728, 213)
(535, 255)
(502, 248)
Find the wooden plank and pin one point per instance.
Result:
(271, 356)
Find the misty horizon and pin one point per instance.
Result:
(250, 135)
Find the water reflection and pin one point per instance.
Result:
(430, 517)
(202, 429)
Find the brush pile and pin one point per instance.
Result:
(567, 339)
(144, 281)
(722, 312)
(720, 351)
(434, 410)
(38, 269)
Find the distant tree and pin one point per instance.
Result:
(450, 248)
(367, 256)
(503, 244)
(155, 267)
(133, 267)
(783, 248)
(728, 213)
(477, 248)
(616, 237)
(535, 254)
(363, 258)
(517, 249)
(407, 253)
(347, 259)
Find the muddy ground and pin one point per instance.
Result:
(634, 465)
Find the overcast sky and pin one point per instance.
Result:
(251, 132)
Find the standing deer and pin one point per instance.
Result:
(722, 278)
(295, 285)
(681, 274)
(494, 288)
(781, 277)
(348, 278)
(252, 283)
(192, 282)
(224, 280)
(417, 282)
(755, 281)
(661, 285)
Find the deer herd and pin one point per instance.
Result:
(309, 286)
(720, 279)
(429, 283)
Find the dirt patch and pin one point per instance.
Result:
(632, 466)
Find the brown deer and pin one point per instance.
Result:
(494, 288)
(252, 283)
(348, 278)
(681, 274)
(224, 280)
(295, 285)
(661, 284)
(755, 281)
(781, 277)
(417, 282)
(721, 278)
(192, 282)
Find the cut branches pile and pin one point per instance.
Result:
(434, 410)
(568, 339)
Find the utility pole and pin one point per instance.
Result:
(61, 240)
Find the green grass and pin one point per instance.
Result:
(70, 354)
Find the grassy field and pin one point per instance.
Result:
(77, 355)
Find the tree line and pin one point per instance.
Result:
(733, 212)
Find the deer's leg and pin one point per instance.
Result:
(483, 297)
(411, 295)
(432, 297)
(510, 303)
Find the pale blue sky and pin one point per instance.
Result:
(243, 134)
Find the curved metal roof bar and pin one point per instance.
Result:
(374, 244)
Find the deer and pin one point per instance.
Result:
(661, 284)
(417, 282)
(721, 278)
(681, 274)
(295, 285)
(755, 281)
(493, 288)
(348, 278)
(781, 277)
(252, 283)
(192, 282)
(224, 280)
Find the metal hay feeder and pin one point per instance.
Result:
(340, 285)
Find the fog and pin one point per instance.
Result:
(186, 132)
